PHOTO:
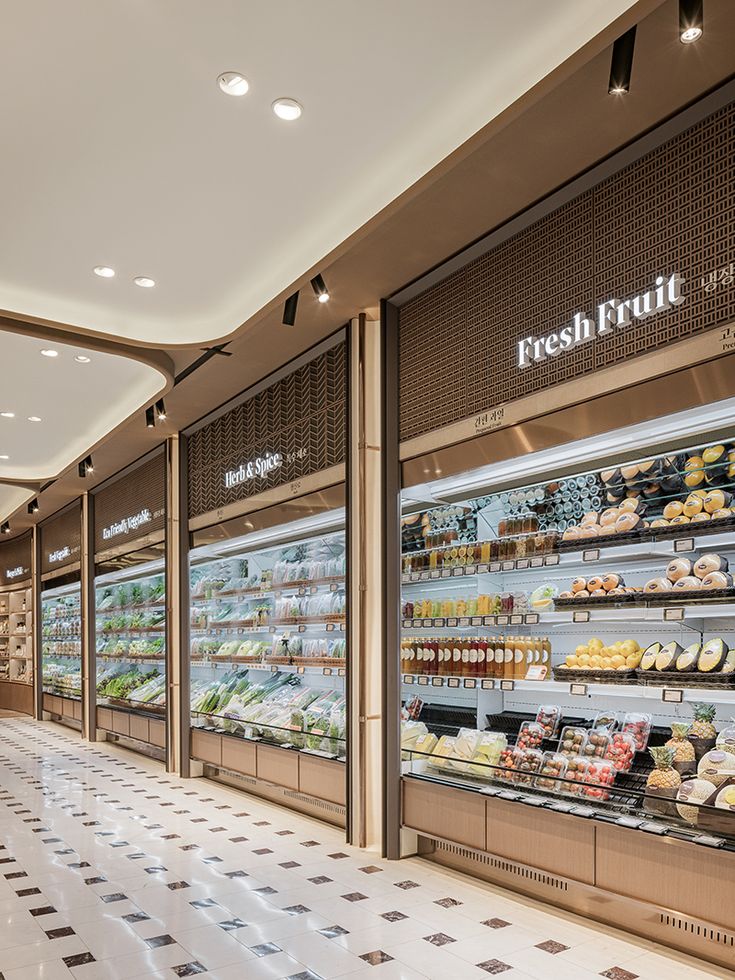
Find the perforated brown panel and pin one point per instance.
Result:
(671, 211)
(303, 417)
(59, 534)
(15, 554)
(142, 489)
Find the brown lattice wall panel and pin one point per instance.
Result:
(58, 533)
(14, 554)
(141, 488)
(302, 416)
(673, 210)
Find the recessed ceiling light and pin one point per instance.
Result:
(50, 352)
(288, 109)
(104, 271)
(145, 282)
(3, 456)
(233, 83)
(82, 359)
(33, 418)
(8, 415)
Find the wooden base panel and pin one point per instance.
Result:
(137, 732)
(65, 711)
(16, 696)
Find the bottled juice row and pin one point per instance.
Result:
(502, 657)
(482, 552)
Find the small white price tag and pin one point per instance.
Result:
(437, 682)
(408, 678)
(300, 670)
(302, 629)
(458, 571)
(446, 572)
(302, 590)
(672, 695)
(507, 685)
(578, 690)
(508, 566)
(494, 566)
(451, 622)
(453, 682)
(463, 621)
(674, 615)
(274, 669)
(415, 576)
(416, 624)
(330, 627)
(482, 569)
(522, 563)
(342, 672)
(476, 621)
(470, 569)
(424, 576)
(439, 622)
(532, 618)
(407, 623)
(489, 620)
(427, 623)
(683, 544)
(551, 560)
(470, 683)
(313, 590)
(591, 554)
(423, 680)
(516, 620)
(327, 671)
(488, 684)
(342, 627)
(502, 620)
(581, 616)
(333, 587)
(537, 562)
(436, 573)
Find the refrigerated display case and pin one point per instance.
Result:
(268, 660)
(61, 652)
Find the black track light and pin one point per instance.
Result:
(150, 418)
(160, 410)
(320, 288)
(289, 310)
(85, 467)
(34, 506)
(5, 528)
(691, 20)
(621, 65)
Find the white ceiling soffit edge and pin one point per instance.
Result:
(11, 498)
(120, 149)
(78, 402)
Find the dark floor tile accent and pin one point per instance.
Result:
(236, 874)
(78, 959)
(211, 860)
(170, 836)
(393, 916)
(330, 932)
(79, 864)
(320, 880)
(296, 909)
(337, 855)
(242, 814)
(284, 833)
(262, 823)
(447, 903)
(550, 946)
(265, 890)
(176, 885)
(114, 897)
(28, 891)
(97, 880)
(238, 840)
(231, 924)
(155, 869)
(16, 874)
(60, 933)
(305, 975)
(43, 910)
(157, 941)
(217, 830)
(289, 864)
(405, 885)
(189, 969)
(618, 973)
(354, 897)
(439, 939)
(266, 949)
(189, 847)
(376, 957)
(496, 923)
(136, 917)
(494, 967)
(203, 903)
(371, 869)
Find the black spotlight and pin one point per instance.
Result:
(150, 418)
(320, 288)
(5, 528)
(622, 63)
(289, 310)
(85, 467)
(691, 20)
(34, 507)
(160, 410)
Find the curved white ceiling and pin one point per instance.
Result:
(77, 403)
(11, 498)
(119, 149)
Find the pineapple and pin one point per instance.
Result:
(684, 758)
(704, 715)
(664, 776)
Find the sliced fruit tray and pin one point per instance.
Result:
(592, 676)
(685, 678)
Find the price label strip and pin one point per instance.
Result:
(683, 545)
(674, 615)
(672, 695)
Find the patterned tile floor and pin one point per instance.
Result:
(111, 869)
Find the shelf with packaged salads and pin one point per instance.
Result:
(61, 639)
(621, 574)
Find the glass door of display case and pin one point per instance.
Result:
(268, 656)
(61, 651)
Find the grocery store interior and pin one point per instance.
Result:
(367, 490)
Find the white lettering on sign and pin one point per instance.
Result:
(15, 572)
(127, 524)
(59, 555)
(611, 314)
(254, 469)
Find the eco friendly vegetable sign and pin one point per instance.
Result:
(611, 314)
(127, 524)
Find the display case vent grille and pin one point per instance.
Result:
(506, 867)
(59, 533)
(695, 928)
(316, 802)
(302, 416)
(143, 488)
(673, 210)
(15, 554)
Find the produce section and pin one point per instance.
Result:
(61, 635)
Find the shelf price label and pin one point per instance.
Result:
(470, 683)
(437, 682)
(502, 620)
(551, 560)
(274, 669)
(581, 616)
(342, 672)
(507, 685)
(508, 566)
(463, 621)
(452, 681)
(488, 684)
(674, 615)
(494, 566)
(489, 620)
(327, 671)
(516, 620)
(439, 622)
(301, 670)
(537, 563)
(302, 629)
(423, 680)
(426, 623)
(578, 690)
(436, 573)
(470, 569)
(476, 621)
(451, 622)
(424, 576)
(672, 695)
(458, 571)
(591, 554)
(330, 627)
(271, 629)
(407, 624)
(408, 678)
(302, 590)
(333, 587)
(446, 572)
(342, 627)
(683, 544)
(531, 618)
(522, 563)
(415, 576)
(482, 569)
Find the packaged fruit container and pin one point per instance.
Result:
(577, 768)
(609, 720)
(598, 741)
(507, 764)
(530, 735)
(573, 741)
(553, 768)
(599, 778)
(526, 764)
(549, 717)
(621, 750)
(639, 726)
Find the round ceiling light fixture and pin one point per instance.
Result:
(233, 83)
(8, 415)
(145, 282)
(82, 359)
(104, 271)
(49, 352)
(287, 109)
(33, 418)
(690, 34)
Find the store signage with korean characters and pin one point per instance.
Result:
(612, 314)
(127, 524)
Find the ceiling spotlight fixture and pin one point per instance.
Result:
(49, 352)
(320, 288)
(691, 20)
(4, 456)
(287, 109)
(621, 65)
(104, 271)
(289, 310)
(34, 418)
(82, 359)
(8, 415)
(233, 83)
(145, 282)
(150, 418)
(161, 410)
(34, 506)
(86, 466)
(5, 528)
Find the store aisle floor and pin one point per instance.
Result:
(110, 869)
